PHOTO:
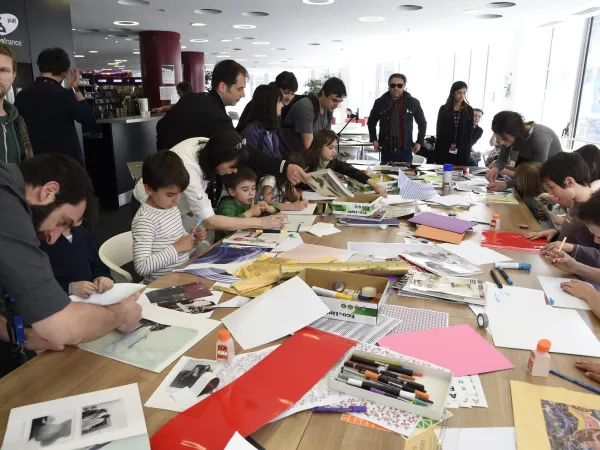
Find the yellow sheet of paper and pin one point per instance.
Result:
(264, 266)
(325, 260)
(255, 283)
(427, 440)
(530, 425)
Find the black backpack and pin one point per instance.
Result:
(313, 98)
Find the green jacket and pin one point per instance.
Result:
(15, 146)
(228, 207)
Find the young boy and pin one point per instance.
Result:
(241, 187)
(568, 180)
(160, 243)
(76, 264)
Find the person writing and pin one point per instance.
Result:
(533, 142)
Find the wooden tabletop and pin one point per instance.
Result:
(52, 375)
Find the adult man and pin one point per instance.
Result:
(310, 114)
(39, 199)
(14, 139)
(183, 88)
(203, 114)
(395, 111)
(477, 133)
(50, 110)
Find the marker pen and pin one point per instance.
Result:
(402, 370)
(360, 367)
(402, 377)
(373, 362)
(198, 223)
(517, 266)
(369, 384)
(505, 275)
(394, 383)
(330, 294)
(415, 401)
(355, 409)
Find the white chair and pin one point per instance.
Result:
(116, 252)
(418, 159)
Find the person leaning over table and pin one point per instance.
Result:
(534, 142)
(40, 199)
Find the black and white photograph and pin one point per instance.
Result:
(102, 417)
(189, 306)
(189, 374)
(56, 428)
(326, 184)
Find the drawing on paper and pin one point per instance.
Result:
(571, 427)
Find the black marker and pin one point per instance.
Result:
(496, 279)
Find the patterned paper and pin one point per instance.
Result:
(415, 319)
(466, 392)
(358, 331)
(362, 422)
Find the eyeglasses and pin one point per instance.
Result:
(399, 85)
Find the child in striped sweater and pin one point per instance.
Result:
(160, 243)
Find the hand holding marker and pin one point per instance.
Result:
(193, 230)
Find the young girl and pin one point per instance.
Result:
(279, 191)
(322, 155)
(530, 186)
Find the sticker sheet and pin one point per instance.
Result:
(415, 319)
(466, 392)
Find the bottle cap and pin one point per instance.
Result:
(544, 345)
(224, 335)
(496, 216)
(447, 167)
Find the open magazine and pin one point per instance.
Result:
(326, 183)
(466, 290)
(440, 262)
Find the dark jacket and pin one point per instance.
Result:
(256, 136)
(49, 111)
(477, 133)
(77, 260)
(342, 167)
(445, 131)
(382, 113)
(15, 146)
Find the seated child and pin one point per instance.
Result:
(241, 186)
(280, 192)
(322, 155)
(76, 264)
(530, 186)
(160, 243)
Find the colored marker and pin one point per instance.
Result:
(496, 279)
(392, 382)
(560, 249)
(331, 294)
(373, 362)
(348, 409)
(573, 380)
(196, 227)
(275, 231)
(517, 266)
(505, 275)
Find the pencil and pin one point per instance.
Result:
(577, 382)
(560, 248)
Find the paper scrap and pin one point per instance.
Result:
(475, 254)
(501, 438)
(466, 392)
(236, 302)
(237, 442)
(559, 298)
(323, 229)
(413, 190)
(451, 200)
(358, 331)
(289, 244)
(427, 232)
(306, 253)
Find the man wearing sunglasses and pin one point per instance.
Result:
(395, 111)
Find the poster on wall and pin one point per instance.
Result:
(13, 29)
(167, 92)
(168, 74)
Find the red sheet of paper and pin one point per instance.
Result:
(512, 241)
(260, 395)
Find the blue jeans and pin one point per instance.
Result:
(396, 153)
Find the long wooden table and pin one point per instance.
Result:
(54, 375)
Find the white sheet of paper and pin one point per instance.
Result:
(303, 221)
(385, 250)
(475, 253)
(116, 294)
(451, 200)
(313, 196)
(275, 314)
(323, 229)
(396, 200)
(289, 244)
(237, 442)
(477, 438)
(559, 298)
(306, 253)
(310, 209)
(236, 302)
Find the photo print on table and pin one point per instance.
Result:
(571, 427)
(230, 253)
(108, 416)
(189, 374)
(55, 428)
(185, 298)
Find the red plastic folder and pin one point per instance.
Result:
(512, 241)
(260, 395)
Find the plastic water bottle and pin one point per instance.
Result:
(447, 180)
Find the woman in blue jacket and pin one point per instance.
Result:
(260, 130)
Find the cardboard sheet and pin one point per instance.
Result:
(275, 314)
(306, 253)
(559, 298)
(460, 349)
(437, 234)
(474, 253)
(443, 222)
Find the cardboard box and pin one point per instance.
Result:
(437, 383)
(357, 311)
(389, 182)
(361, 205)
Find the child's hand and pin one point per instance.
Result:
(184, 244)
(562, 261)
(199, 234)
(546, 234)
(299, 205)
(379, 189)
(270, 209)
(103, 284)
(547, 197)
(83, 289)
(552, 246)
(255, 210)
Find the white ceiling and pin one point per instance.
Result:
(292, 25)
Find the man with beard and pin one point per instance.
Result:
(39, 199)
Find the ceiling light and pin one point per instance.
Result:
(112, 64)
(587, 11)
(92, 51)
(281, 49)
(318, 2)
(105, 38)
(183, 46)
(134, 2)
(314, 43)
(129, 39)
(501, 5)
(126, 23)
(120, 60)
(208, 11)
(73, 29)
(116, 42)
(489, 16)
(473, 11)
(198, 24)
(237, 49)
(136, 53)
(410, 7)
(244, 27)
(225, 40)
(222, 56)
(198, 40)
(336, 40)
(255, 14)
(87, 30)
(222, 53)
(260, 56)
(245, 38)
(79, 56)
(371, 19)
(261, 43)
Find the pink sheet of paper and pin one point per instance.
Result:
(460, 349)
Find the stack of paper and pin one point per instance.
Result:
(474, 253)
(323, 229)
(451, 200)
(412, 190)
(559, 298)
(437, 260)
(456, 289)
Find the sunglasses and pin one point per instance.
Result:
(399, 85)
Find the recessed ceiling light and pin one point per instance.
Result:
(105, 38)
(225, 40)
(281, 49)
(208, 11)
(261, 43)
(198, 40)
(244, 27)
(489, 16)
(134, 2)
(222, 56)
(198, 24)
(183, 46)
(473, 11)
(120, 60)
(136, 53)
(129, 39)
(126, 23)
(73, 29)
(255, 14)
(371, 19)
(260, 56)
(314, 43)
(336, 40)
(501, 5)
(116, 42)
(92, 51)
(245, 38)
(112, 64)
(79, 56)
(318, 2)
(410, 7)
(87, 30)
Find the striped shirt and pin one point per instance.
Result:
(154, 233)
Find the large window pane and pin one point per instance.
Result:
(588, 122)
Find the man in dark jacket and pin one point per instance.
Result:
(395, 111)
(203, 114)
(50, 110)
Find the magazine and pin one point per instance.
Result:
(192, 298)
(467, 290)
(440, 262)
(326, 183)
(256, 239)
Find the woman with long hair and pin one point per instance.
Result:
(454, 128)
(260, 129)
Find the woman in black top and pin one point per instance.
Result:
(454, 128)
